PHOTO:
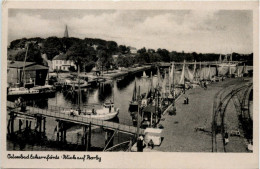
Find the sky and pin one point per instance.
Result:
(201, 31)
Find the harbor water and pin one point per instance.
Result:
(118, 91)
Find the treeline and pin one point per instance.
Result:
(52, 46)
(89, 52)
(162, 55)
(85, 52)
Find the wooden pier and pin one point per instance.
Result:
(56, 112)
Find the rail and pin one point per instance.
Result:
(219, 107)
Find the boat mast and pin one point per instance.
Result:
(139, 105)
(79, 92)
(151, 82)
(173, 82)
(220, 59)
(134, 93)
(24, 64)
(158, 76)
(200, 71)
(209, 73)
(194, 72)
(184, 76)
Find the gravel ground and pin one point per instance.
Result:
(179, 130)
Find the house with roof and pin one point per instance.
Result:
(60, 62)
(19, 72)
(133, 50)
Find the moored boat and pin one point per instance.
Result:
(107, 112)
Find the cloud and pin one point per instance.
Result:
(200, 31)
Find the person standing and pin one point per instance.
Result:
(140, 144)
(226, 138)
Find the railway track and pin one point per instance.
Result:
(221, 101)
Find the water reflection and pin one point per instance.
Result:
(105, 91)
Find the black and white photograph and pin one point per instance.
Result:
(113, 80)
(129, 80)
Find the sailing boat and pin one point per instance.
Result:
(220, 59)
(133, 106)
(244, 70)
(171, 83)
(106, 112)
(144, 75)
(182, 80)
(225, 62)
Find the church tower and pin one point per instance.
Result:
(66, 33)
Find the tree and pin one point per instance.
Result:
(104, 59)
(111, 47)
(81, 54)
(123, 49)
(195, 56)
(68, 42)
(52, 47)
(155, 57)
(125, 61)
(89, 66)
(143, 50)
(18, 43)
(33, 54)
(164, 54)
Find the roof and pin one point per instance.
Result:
(61, 56)
(37, 67)
(19, 64)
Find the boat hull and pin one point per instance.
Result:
(30, 96)
(105, 116)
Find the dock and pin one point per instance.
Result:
(179, 131)
(56, 112)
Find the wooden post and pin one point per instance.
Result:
(151, 119)
(89, 137)
(138, 121)
(26, 128)
(20, 125)
(64, 135)
(30, 124)
(12, 122)
(40, 124)
(58, 131)
(85, 137)
(61, 133)
(44, 124)
(8, 126)
(12, 126)
(142, 115)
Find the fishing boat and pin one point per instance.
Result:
(18, 91)
(71, 82)
(106, 112)
(30, 93)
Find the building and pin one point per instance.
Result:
(66, 33)
(34, 73)
(133, 50)
(60, 62)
